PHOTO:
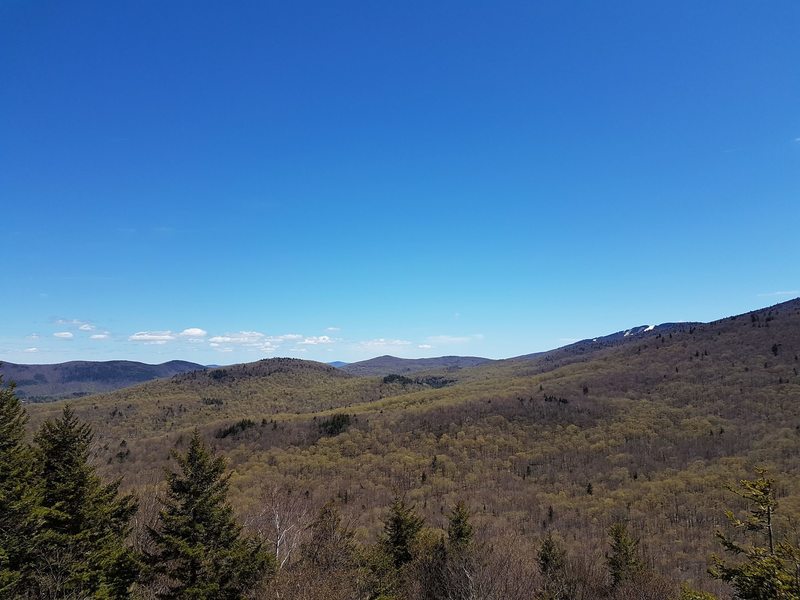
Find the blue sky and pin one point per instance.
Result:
(223, 182)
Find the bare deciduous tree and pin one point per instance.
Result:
(282, 522)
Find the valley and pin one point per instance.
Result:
(648, 428)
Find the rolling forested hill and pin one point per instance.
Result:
(388, 365)
(649, 428)
(43, 383)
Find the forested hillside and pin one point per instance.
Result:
(74, 379)
(561, 446)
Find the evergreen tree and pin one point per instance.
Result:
(768, 569)
(552, 559)
(200, 550)
(459, 529)
(17, 496)
(623, 561)
(400, 530)
(81, 549)
(445, 569)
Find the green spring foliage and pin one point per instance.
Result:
(767, 564)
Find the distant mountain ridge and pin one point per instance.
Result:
(392, 365)
(40, 383)
(43, 383)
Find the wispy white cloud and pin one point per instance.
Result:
(31, 350)
(241, 337)
(384, 343)
(253, 341)
(333, 329)
(447, 340)
(220, 347)
(424, 346)
(32, 337)
(286, 337)
(162, 337)
(317, 340)
(152, 337)
(63, 335)
(99, 336)
(784, 293)
(78, 323)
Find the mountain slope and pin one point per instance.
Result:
(39, 383)
(625, 336)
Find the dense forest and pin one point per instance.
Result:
(660, 467)
(65, 533)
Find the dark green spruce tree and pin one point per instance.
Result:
(17, 497)
(394, 551)
(451, 564)
(623, 560)
(459, 529)
(200, 550)
(555, 581)
(400, 531)
(81, 549)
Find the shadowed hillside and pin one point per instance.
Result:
(41, 383)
